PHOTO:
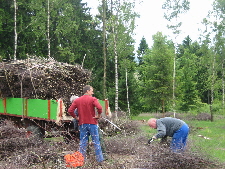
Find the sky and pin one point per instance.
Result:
(151, 20)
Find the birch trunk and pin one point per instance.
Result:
(128, 103)
(48, 33)
(174, 77)
(104, 46)
(114, 23)
(223, 82)
(116, 74)
(15, 29)
(212, 87)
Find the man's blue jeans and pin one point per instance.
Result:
(179, 139)
(85, 131)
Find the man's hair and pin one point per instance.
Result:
(72, 98)
(86, 88)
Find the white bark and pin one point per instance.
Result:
(174, 83)
(48, 34)
(15, 29)
(116, 73)
(83, 61)
(223, 82)
(114, 24)
(104, 46)
(212, 86)
(128, 103)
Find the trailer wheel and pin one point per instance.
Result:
(34, 132)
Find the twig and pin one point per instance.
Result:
(7, 80)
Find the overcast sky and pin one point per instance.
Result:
(151, 19)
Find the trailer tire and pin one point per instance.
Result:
(34, 132)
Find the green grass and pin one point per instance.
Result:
(212, 139)
(212, 148)
(54, 139)
(149, 131)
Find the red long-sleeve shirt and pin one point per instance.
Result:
(86, 109)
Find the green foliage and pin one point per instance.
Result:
(173, 9)
(143, 47)
(186, 82)
(7, 29)
(72, 30)
(157, 74)
(76, 37)
(218, 107)
(201, 108)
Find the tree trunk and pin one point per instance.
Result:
(128, 103)
(104, 46)
(15, 29)
(172, 12)
(116, 74)
(114, 23)
(223, 83)
(163, 108)
(174, 82)
(48, 34)
(212, 87)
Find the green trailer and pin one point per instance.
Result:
(42, 117)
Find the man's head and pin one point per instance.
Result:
(152, 123)
(72, 98)
(88, 90)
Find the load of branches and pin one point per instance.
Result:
(41, 78)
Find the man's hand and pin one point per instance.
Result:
(97, 117)
(154, 137)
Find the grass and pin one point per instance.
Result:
(208, 138)
(211, 143)
(54, 139)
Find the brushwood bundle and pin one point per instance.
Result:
(41, 78)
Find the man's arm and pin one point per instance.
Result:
(99, 108)
(161, 128)
(71, 110)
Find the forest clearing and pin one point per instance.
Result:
(125, 149)
(49, 50)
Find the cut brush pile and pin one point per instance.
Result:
(40, 78)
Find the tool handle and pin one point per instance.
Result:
(150, 140)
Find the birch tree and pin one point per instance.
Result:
(121, 30)
(173, 9)
(15, 29)
(104, 45)
(48, 29)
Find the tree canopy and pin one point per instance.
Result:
(147, 79)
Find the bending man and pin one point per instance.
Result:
(172, 127)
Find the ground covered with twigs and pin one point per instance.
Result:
(127, 149)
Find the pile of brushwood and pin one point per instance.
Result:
(127, 149)
(41, 78)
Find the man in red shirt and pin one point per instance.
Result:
(88, 120)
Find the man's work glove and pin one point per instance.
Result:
(151, 139)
